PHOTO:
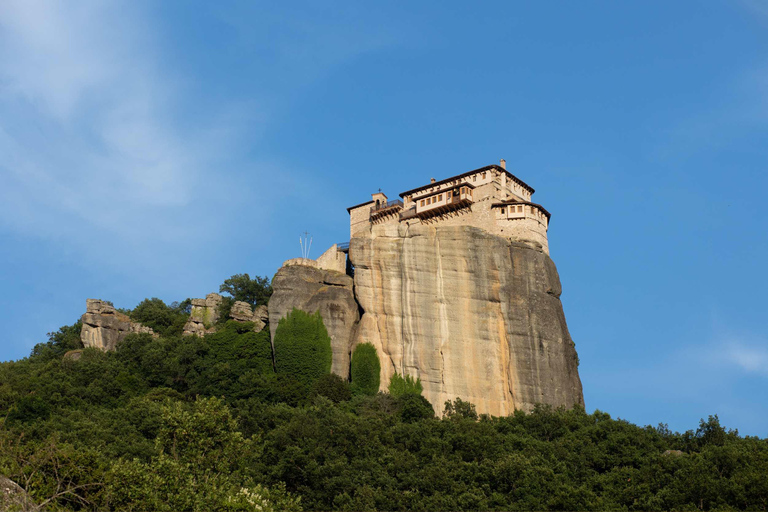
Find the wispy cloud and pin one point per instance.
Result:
(91, 147)
(750, 359)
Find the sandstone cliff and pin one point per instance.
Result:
(104, 327)
(472, 314)
(312, 289)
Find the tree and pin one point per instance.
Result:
(302, 347)
(459, 409)
(200, 466)
(241, 287)
(59, 342)
(414, 407)
(399, 386)
(163, 319)
(333, 387)
(366, 370)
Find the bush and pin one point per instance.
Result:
(302, 347)
(366, 370)
(333, 387)
(414, 407)
(459, 409)
(164, 320)
(59, 342)
(399, 386)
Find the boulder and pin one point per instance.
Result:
(313, 289)
(13, 497)
(242, 312)
(104, 327)
(474, 315)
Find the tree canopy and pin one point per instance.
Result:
(241, 287)
(188, 423)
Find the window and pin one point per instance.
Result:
(447, 195)
(520, 209)
(439, 197)
(422, 202)
(503, 211)
(474, 178)
(482, 177)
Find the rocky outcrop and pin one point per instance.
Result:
(13, 497)
(204, 314)
(312, 289)
(472, 314)
(242, 312)
(104, 327)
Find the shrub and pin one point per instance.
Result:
(164, 320)
(302, 347)
(366, 370)
(414, 407)
(399, 386)
(459, 409)
(333, 387)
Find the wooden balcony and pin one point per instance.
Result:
(453, 204)
(386, 209)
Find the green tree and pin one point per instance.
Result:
(163, 319)
(65, 339)
(459, 409)
(302, 347)
(366, 370)
(241, 287)
(333, 387)
(200, 466)
(399, 386)
(414, 407)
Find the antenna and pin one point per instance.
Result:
(305, 242)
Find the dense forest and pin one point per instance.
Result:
(217, 423)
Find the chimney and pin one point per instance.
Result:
(431, 180)
(503, 163)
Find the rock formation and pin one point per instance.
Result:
(472, 314)
(204, 314)
(13, 497)
(242, 312)
(313, 289)
(104, 327)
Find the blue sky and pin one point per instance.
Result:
(153, 149)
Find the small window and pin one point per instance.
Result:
(422, 202)
(439, 197)
(448, 195)
(474, 178)
(503, 211)
(520, 209)
(483, 176)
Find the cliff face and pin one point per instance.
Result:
(472, 314)
(312, 289)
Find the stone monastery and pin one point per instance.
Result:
(490, 198)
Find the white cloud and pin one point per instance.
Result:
(88, 140)
(751, 359)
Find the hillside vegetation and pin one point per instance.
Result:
(187, 423)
